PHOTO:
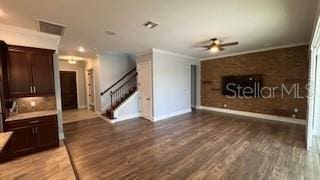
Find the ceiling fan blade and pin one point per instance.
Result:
(207, 46)
(214, 39)
(229, 44)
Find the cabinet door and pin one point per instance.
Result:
(19, 73)
(42, 73)
(47, 135)
(22, 140)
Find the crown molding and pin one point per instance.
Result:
(174, 54)
(149, 51)
(255, 51)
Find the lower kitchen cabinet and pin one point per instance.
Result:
(22, 140)
(32, 135)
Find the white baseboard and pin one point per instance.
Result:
(61, 136)
(126, 117)
(82, 107)
(166, 116)
(256, 115)
(121, 118)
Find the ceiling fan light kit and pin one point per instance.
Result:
(217, 45)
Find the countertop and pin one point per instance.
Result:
(32, 115)
(4, 138)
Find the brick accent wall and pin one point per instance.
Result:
(287, 66)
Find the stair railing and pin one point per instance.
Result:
(126, 89)
(117, 82)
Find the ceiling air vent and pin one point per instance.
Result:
(151, 24)
(50, 28)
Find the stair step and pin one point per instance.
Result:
(109, 113)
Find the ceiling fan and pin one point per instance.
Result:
(217, 45)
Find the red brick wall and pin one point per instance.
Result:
(287, 66)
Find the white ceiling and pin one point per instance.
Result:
(184, 24)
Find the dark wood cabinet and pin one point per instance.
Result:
(30, 72)
(19, 74)
(47, 135)
(32, 135)
(22, 140)
(42, 73)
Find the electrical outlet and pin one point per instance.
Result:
(33, 103)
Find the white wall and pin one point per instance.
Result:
(79, 68)
(129, 109)
(24, 37)
(172, 83)
(111, 67)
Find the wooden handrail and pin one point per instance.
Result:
(134, 76)
(114, 84)
(123, 91)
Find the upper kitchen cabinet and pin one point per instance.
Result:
(42, 73)
(30, 72)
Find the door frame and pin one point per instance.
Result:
(77, 82)
(139, 63)
(193, 85)
(312, 117)
(87, 88)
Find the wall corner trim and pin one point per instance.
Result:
(173, 114)
(61, 136)
(255, 115)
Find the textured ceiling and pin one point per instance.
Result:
(184, 24)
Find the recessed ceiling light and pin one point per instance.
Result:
(74, 58)
(110, 33)
(72, 62)
(2, 14)
(81, 49)
(151, 24)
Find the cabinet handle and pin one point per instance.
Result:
(31, 89)
(33, 131)
(34, 122)
(34, 89)
(36, 130)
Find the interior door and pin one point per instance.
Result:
(42, 73)
(145, 89)
(19, 72)
(91, 90)
(68, 80)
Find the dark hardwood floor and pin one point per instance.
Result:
(199, 145)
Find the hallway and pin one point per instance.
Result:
(70, 116)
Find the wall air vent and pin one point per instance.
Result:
(51, 28)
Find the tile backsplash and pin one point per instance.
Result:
(33, 104)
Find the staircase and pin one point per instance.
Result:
(120, 91)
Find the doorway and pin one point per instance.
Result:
(69, 94)
(144, 85)
(91, 94)
(193, 87)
